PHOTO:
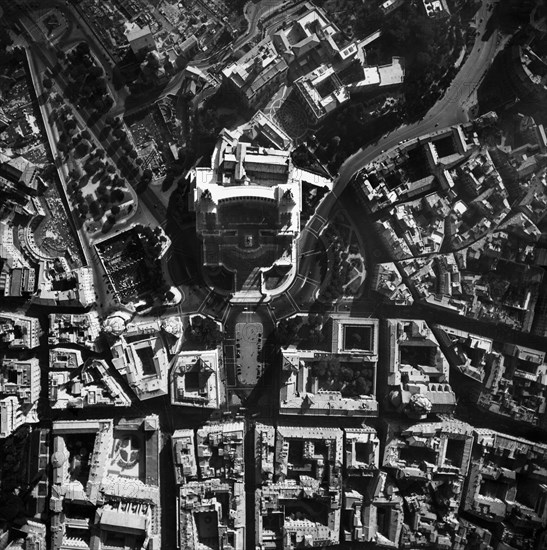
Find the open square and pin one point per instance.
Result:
(248, 348)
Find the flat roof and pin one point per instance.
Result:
(122, 521)
(136, 33)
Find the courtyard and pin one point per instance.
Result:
(124, 259)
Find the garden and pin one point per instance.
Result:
(346, 262)
(87, 85)
(203, 332)
(94, 186)
(351, 379)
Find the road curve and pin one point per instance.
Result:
(449, 110)
(446, 112)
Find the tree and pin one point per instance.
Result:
(95, 72)
(70, 123)
(346, 374)
(334, 367)
(319, 369)
(5, 38)
(93, 117)
(55, 99)
(315, 338)
(62, 145)
(141, 187)
(83, 148)
(99, 86)
(82, 49)
(72, 91)
(75, 173)
(105, 132)
(117, 195)
(204, 331)
(362, 386)
(115, 209)
(287, 331)
(54, 115)
(107, 226)
(108, 103)
(96, 210)
(47, 83)
(423, 60)
(119, 133)
(117, 78)
(334, 145)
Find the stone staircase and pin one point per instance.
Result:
(252, 282)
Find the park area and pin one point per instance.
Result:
(346, 272)
(350, 378)
(96, 189)
(100, 197)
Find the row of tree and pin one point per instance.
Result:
(335, 376)
(128, 161)
(306, 333)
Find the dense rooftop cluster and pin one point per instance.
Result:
(216, 336)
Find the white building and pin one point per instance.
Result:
(21, 378)
(141, 356)
(19, 331)
(321, 92)
(140, 38)
(195, 379)
(247, 208)
(305, 388)
(257, 75)
(11, 416)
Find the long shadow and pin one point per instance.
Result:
(186, 245)
(136, 100)
(263, 399)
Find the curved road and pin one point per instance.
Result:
(448, 111)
